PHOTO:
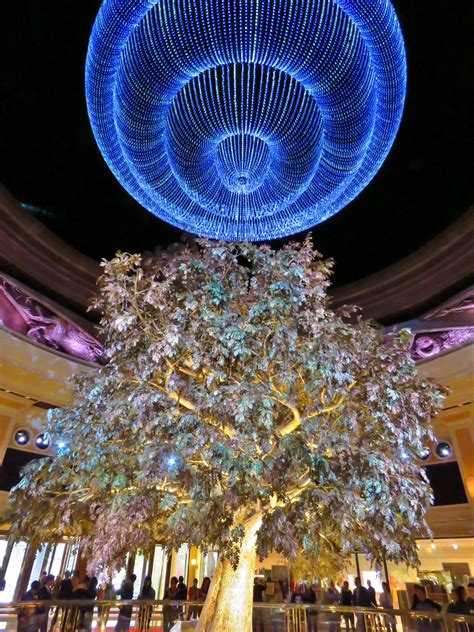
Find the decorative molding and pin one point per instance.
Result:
(447, 327)
(32, 253)
(406, 287)
(25, 315)
(432, 343)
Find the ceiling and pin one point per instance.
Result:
(52, 162)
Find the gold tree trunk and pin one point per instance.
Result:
(228, 605)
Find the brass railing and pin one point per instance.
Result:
(139, 615)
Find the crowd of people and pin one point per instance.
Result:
(462, 603)
(360, 596)
(73, 587)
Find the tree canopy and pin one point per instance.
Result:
(233, 388)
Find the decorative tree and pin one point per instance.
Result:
(239, 411)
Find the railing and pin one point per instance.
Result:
(178, 616)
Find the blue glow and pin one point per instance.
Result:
(239, 119)
(171, 461)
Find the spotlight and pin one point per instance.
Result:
(425, 454)
(444, 450)
(22, 437)
(455, 547)
(42, 441)
(433, 546)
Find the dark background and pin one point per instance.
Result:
(50, 159)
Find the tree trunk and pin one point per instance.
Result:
(229, 602)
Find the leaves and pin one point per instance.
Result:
(232, 386)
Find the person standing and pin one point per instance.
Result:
(106, 593)
(27, 616)
(206, 582)
(346, 600)
(258, 624)
(182, 589)
(125, 613)
(360, 599)
(310, 598)
(90, 594)
(64, 592)
(470, 597)
(75, 579)
(65, 587)
(202, 592)
(421, 603)
(169, 610)
(331, 597)
(372, 595)
(44, 594)
(460, 605)
(386, 602)
(182, 594)
(193, 595)
(147, 593)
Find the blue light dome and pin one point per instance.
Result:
(245, 119)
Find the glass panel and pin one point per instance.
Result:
(13, 570)
(55, 565)
(3, 548)
(118, 577)
(182, 557)
(158, 572)
(72, 557)
(37, 565)
(139, 570)
(369, 576)
(210, 563)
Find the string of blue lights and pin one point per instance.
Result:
(245, 120)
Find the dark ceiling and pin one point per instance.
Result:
(51, 160)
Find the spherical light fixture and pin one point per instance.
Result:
(245, 120)
(425, 454)
(42, 441)
(22, 437)
(444, 450)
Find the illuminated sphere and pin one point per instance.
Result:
(245, 119)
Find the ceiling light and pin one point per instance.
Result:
(444, 450)
(42, 441)
(236, 130)
(425, 454)
(22, 437)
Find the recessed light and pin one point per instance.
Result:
(22, 437)
(444, 450)
(42, 441)
(425, 454)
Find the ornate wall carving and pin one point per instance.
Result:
(25, 315)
